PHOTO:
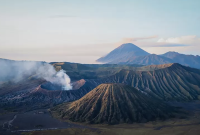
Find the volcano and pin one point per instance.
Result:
(113, 104)
(123, 53)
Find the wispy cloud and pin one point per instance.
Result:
(159, 44)
(61, 16)
(169, 45)
(189, 40)
(182, 41)
(130, 40)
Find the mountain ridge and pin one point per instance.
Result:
(188, 60)
(175, 82)
(151, 59)
(136, 55)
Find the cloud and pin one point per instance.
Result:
(61, 16)
(183, 41)
(184, 44)
(169, 45)
(159, 44)
(130, 40)
(187, 40)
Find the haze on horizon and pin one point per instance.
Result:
(82, 31)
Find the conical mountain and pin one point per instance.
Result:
(123, 53)
(113, 104)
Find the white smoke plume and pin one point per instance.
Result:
(48, 72)
(17, 71)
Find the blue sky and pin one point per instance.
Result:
(84, 30)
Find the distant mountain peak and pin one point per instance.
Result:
(172, 52)
(123, 53)
(129, 45)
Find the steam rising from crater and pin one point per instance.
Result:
(17, 71)
(48, 72)
(63, 79)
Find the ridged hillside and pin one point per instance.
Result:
(113, 104)
(175, 82)
(151, 59)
